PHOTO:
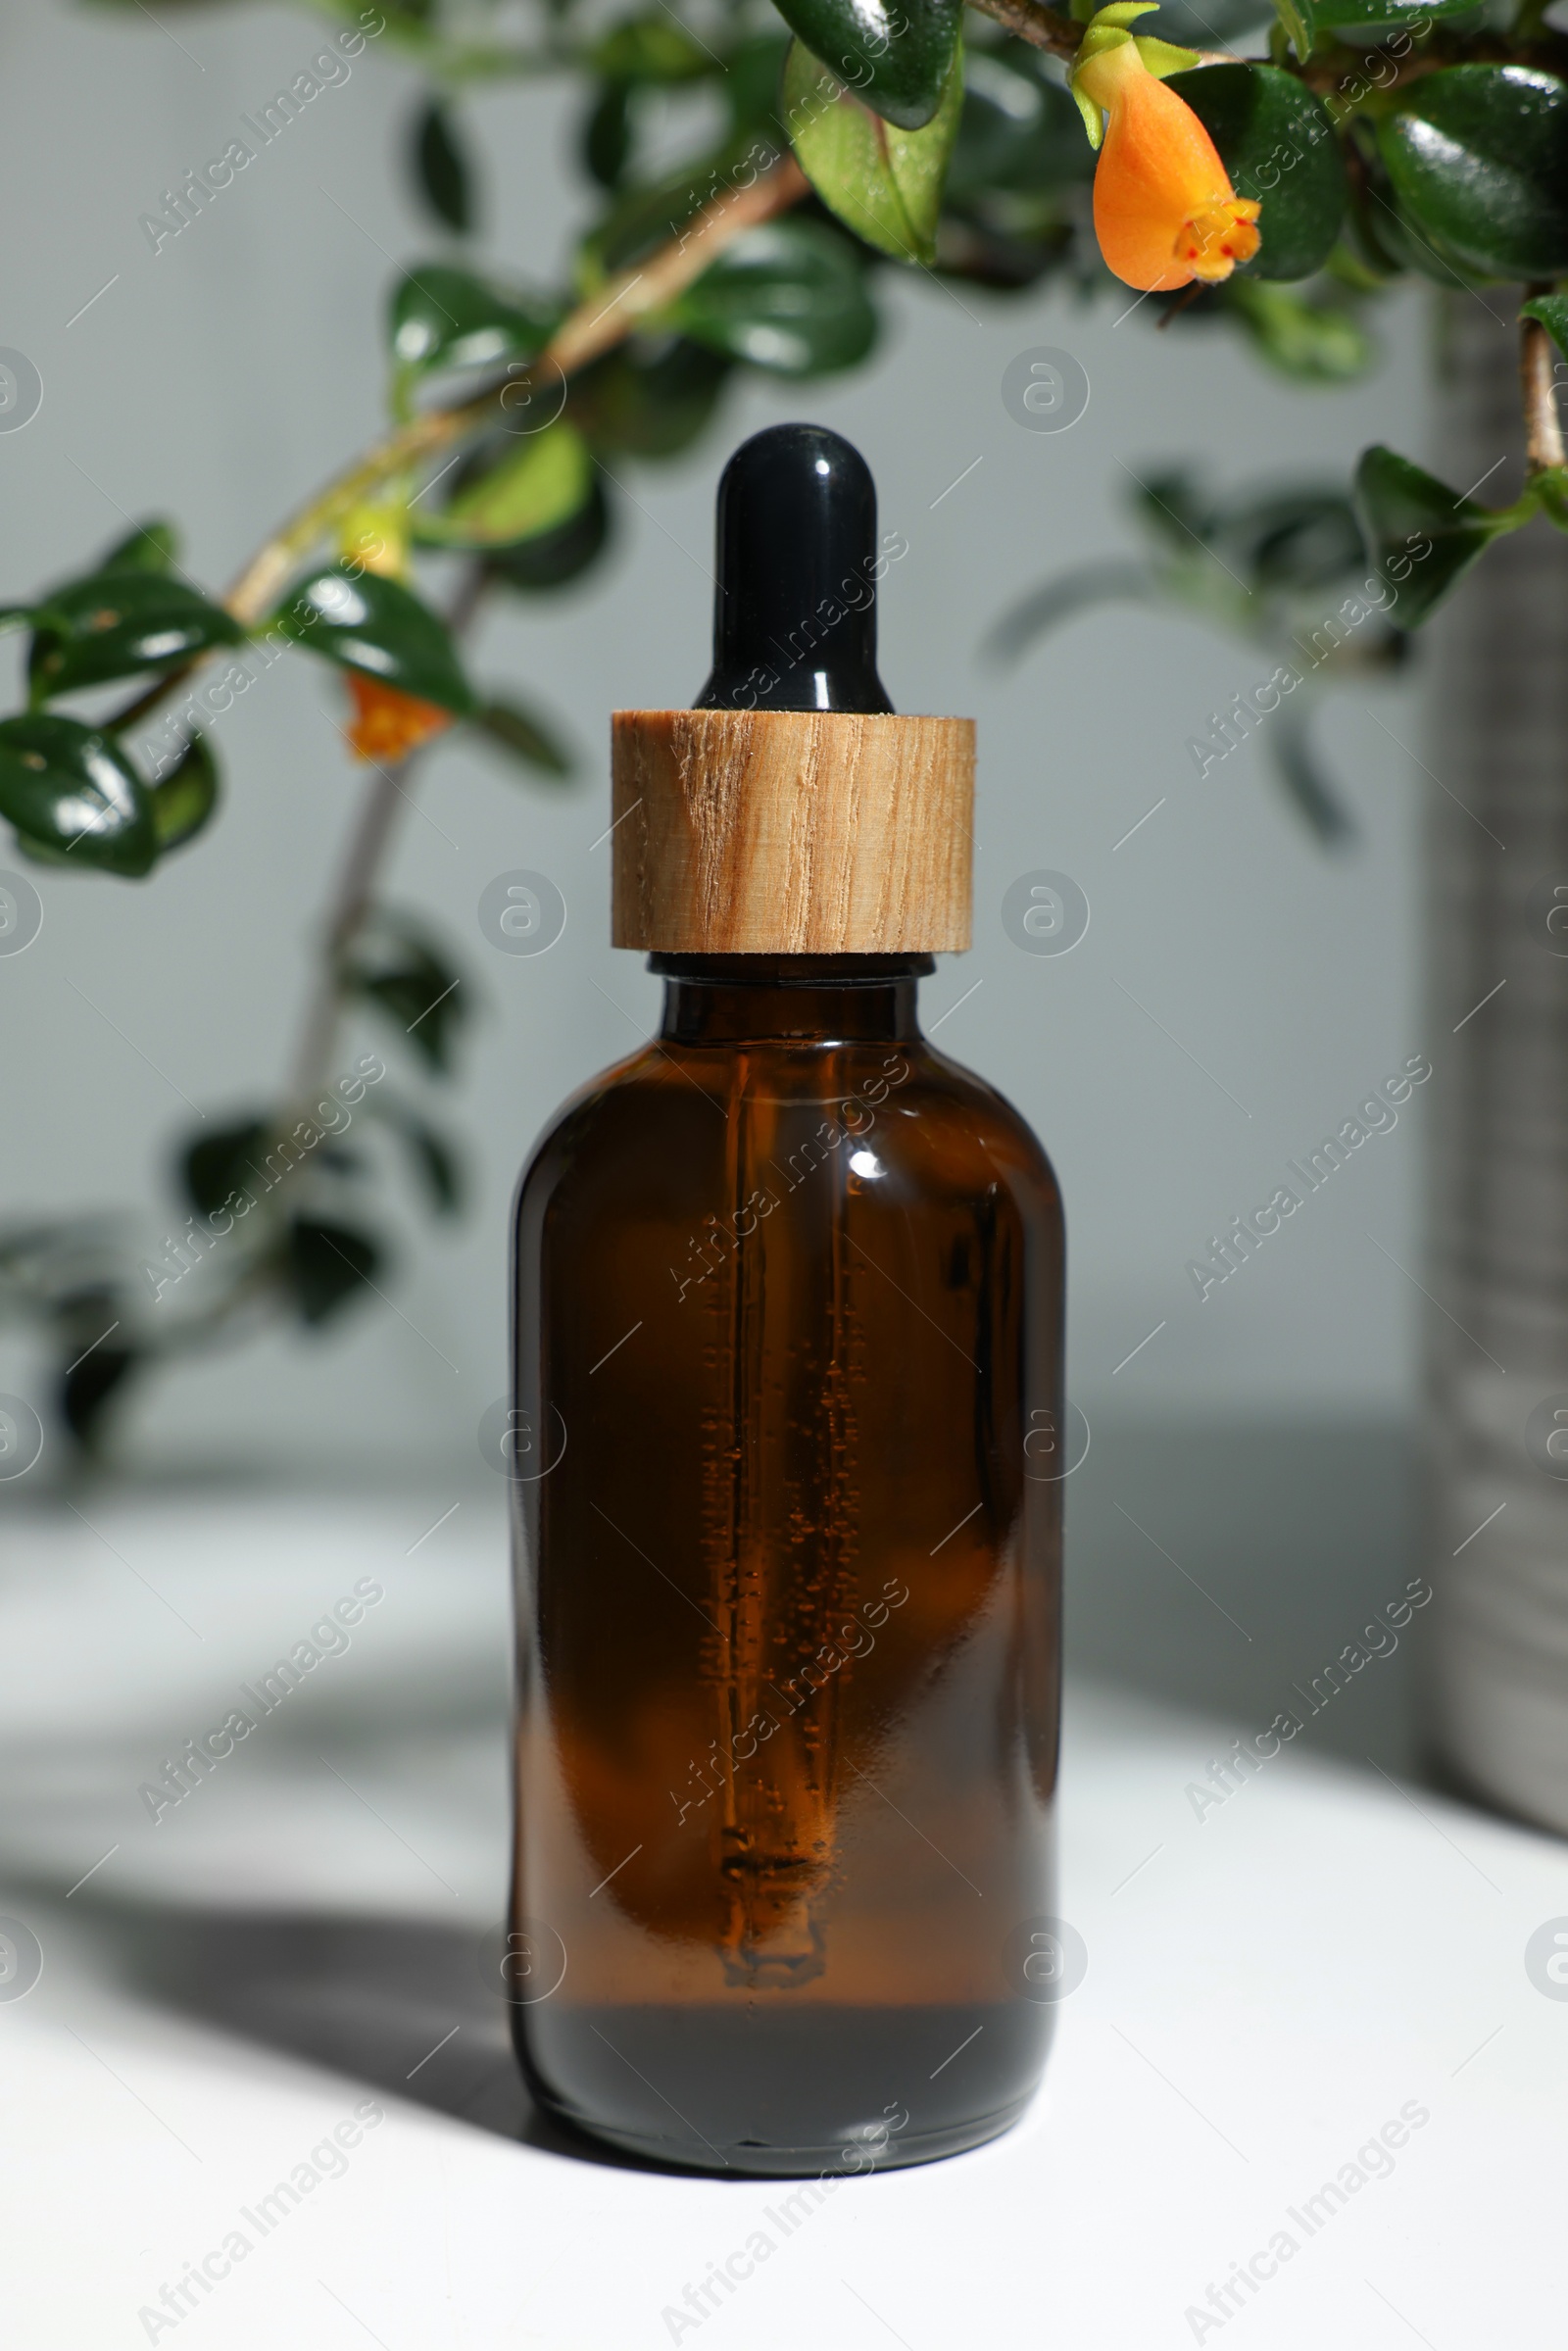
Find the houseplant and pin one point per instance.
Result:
(1351, 146)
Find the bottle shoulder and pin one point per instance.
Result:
(660, 1121)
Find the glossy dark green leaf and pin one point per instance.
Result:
(790, 297)
(441, 170)
(897, 59)
(185, 799)
(153, 547)
(525, 486)
(1277, 141)
(884, 183)
(1019, 133)
(1317, 340)
(524, 737)
(557, 557)
(751, 86)
(650, 48)
(1420, 537)
(439, 317)
(650, 399)
(398, 967)
(606, 135)
(327, 1266)
(71, 789)
(215, 1166)
(377, 626)
(1478, 155)
(116, 623)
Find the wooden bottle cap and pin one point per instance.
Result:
(791, 832)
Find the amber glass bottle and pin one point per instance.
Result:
(788, 1318)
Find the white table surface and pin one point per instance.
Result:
(1266, 1987)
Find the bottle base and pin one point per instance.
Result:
(831, 2160)
(777, 2089)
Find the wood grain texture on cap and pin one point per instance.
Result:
(791, 832)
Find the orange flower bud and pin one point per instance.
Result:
(1165, 210)
(388, 725)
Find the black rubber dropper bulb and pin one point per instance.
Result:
(795, 612)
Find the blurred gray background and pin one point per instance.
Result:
(1237, 990)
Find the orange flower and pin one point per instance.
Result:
(388, 725)
(1165, 210)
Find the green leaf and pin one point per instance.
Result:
(524, 737)
(439, 317)
(1421, 538)
(652, 48)
(1293, 542)
(644, 219)
(217, 1165)
(1317, 342)
(884, 184)
(328, 1265)
(90, 1385)
(1289, 743)
(790, 297)
(1277, 144)
(185, 800)
(534, 566)
(1478, 155)
(649, 399)
(538, 484)
(153, 547)
(395, 965)
(440, 167)
(71, 789)
(116, 623)
(751, 86)
(900, 62)
(1300, 20)
(1549, 310)
(607, 134)
(433, 1160)
(379, 627)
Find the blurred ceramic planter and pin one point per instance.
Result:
(1497, 1420)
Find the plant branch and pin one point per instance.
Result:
(1044, 27)
(386, 793)
(1032, 21)
(593, 328)
(1538, 385)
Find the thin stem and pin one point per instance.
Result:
(387, 792)
(1538, 385)
(351, 901)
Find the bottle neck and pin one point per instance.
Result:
(808, 1000)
